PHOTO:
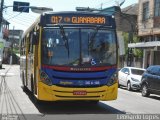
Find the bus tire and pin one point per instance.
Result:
(25, 89)
(119, 85)
(0, 66)
(32, 85)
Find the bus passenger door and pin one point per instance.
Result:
(34, 62)
(28, 62)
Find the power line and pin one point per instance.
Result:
(102, 4)
(21, 16)
(1, 11)
(29, 15)
(19, 23)
(13, 16)
(23, 21)
(106, 3)
(19, 20)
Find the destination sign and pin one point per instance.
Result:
(76, 19)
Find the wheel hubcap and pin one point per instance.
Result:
(128, 86)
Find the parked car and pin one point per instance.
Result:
(151, 81)
(130, 77)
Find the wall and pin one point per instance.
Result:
(150, 26)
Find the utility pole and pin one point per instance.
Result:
(101, 6)
(1, 12)
(130, 51)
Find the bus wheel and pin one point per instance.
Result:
(0, 66)
(32, 85)
(119, 85)
(25, 89)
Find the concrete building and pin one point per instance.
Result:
(4, 44)
(15, 36)
(149, 32)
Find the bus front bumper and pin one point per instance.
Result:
(55, 93)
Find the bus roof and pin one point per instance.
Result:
(31, 27)
(75, 12)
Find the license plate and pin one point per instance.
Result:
(82, 92)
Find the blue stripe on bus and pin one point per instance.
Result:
(62, 74)
(79, 79)
(79, 82)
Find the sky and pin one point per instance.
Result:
(22, 21)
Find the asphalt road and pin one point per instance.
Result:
(14, 101)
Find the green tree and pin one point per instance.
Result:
(137, 52)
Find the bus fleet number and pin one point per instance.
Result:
(56, 19)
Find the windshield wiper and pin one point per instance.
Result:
(94, 35)
(65, 38)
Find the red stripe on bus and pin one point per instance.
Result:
(78, 69)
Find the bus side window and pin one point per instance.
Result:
(35, 38)
(24, 47)
(21, 46)
(31, 41)
(28, 40)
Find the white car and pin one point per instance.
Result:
(130, 77)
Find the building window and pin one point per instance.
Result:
(145, 10)
(157, 8)
(157, 38)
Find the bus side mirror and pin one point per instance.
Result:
(35, 38)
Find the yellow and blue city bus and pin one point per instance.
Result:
(70, 56)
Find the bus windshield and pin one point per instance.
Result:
(78, 47)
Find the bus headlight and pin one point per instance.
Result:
(112, 80)
(45, 79)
